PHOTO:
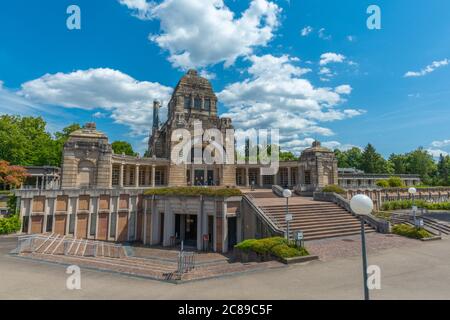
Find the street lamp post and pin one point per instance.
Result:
(287, 194)
(412, 191)
(362, 206)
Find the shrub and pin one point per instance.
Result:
(395, 182)
(410, 231)
(407, 204)
(277, 246)
(195, 191)
(383, 183)
(333, 189)
(10, 224)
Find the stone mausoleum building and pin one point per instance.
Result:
(100, 195)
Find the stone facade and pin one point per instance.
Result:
(101, 195)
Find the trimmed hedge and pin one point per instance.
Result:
(410, 231)
(407, 204)
(277, 246)
(333, 189)
(194, 191)
(10, 224)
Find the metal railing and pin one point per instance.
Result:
(273, 228)
(380, 225)
(186, 262)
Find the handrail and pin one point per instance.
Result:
(380, 225)
(261, 214)
(277, 190)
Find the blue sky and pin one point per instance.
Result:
(338, 82)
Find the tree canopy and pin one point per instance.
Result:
(123, 147)
(25, 141)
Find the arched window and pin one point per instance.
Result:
(207, 104)
(187, 102)
(85, 176)
(197, 103)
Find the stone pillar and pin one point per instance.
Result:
(153, 175)
(121, 176)
(136, 178)
(289, 177)
(147, 175)
(260, 178)
(247, 178)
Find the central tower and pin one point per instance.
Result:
(193, 100)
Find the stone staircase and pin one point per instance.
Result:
(317, 220)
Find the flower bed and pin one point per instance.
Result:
(411, 232)
(268, 249)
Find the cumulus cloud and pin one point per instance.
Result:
(306, 31)
(129, 101)
(428, 69)
(323, 35)
(331, 57)
(276, 96)
(436, 153)
(440, 144)
(199, 33)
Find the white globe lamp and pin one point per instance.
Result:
(362, 205)
(412, 190)
(287, 193)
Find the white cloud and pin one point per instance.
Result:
(440, 144)
(323, 35)
(344, 89)
(428, 69)
(331, 57)
(333, 145)
(275, 96)
(436, 153)
(141, 8)
(208, 75)
(351, 38)
(129, 101)
(99, 115)
(306, 31)
(198, 33)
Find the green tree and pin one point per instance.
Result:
(373, 162)
(287, 156)
(443, 169)
(123, 147)
(350, 158)
(422, 163)
(399, 163)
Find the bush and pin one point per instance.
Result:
(407, 204)
(333, 189)
(410, 231)
(195, 191)
(10, 224)
(396, 182)
(277, 246)
(383, 183)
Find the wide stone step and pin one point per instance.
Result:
(320, 225)
(336, 211)
(312, 217)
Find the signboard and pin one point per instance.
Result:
(419, 223)
(206, 237)
(289, 217)
(298, 236)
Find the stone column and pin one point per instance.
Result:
(247, 177)
(147, 175)
(136, 178)
(289, 177)
(260, 178)
(153, 175)
(121, 176)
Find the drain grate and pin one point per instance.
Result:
(348, 240)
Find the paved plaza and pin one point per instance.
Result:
(410, 270)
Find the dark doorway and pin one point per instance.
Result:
(161, 228)
(210, 177)
(232, 233)
(190, 234)
(199, 178)
(210, 233)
